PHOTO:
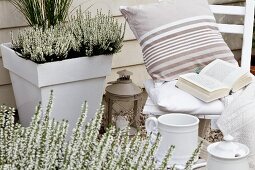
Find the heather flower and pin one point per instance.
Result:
(43, 144)
(83, 35)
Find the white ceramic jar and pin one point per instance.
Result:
(176, 129)
(227, 155)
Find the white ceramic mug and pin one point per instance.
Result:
(176, 129)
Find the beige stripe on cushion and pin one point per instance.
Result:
(190, 53)
(173, 32)
(172, 50)
(175, 23)
(173, 66)
(187, 54)
(188, 69)
(179, 39)
(182, 49)
(172, 75)
(186, 45)
(176, 27)
(183, 35)
(149, 44)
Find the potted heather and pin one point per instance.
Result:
(72, 58)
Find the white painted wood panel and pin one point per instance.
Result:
(5, 34)
(128, 34)
(7, 96)
(229, 28)
(106, 5)
(248, 33)
(131, 54)
(9, 16)
(230, 10)
(4, 75)
(7, 10)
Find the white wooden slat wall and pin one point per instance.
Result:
(7, 96)
(227, 28)
(247, 43)
(10, 17)
(129, 58)
(230, 10)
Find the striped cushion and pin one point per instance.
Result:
(180, 46)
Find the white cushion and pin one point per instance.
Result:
(153, 109)
(169, 99)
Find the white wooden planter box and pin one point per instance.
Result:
(73, 81)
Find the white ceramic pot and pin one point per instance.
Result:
(73, 81)
(176, 129)
(227, 155)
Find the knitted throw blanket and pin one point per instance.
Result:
(238, 119)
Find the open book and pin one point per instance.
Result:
(216, 80)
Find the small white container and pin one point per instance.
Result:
(180, 130)
(227, 155)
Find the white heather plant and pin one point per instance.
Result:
(45, 45)
(83, 35)
(100, 34)
(42, 145)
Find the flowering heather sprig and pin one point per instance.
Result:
(45, 45)
(100, 34)
(83, 35)
(43, 144)
(167, 159)
(194, 157)
(8, 135)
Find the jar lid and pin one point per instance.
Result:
(228, 149)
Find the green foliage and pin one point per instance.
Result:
(84, 35)
(43, 145)
(167, 159)
(43, 13)
(194, 157)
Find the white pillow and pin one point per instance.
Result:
(170, 98)
(176, 37)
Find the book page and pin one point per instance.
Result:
(242, 81)
(203, 81)
(223, 71)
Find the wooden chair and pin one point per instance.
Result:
(246, 30)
